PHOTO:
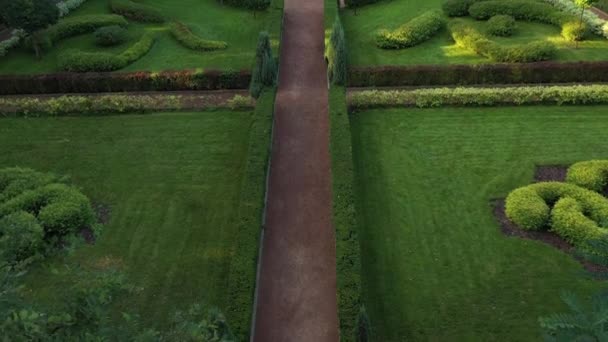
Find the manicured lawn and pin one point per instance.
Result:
(207, 18)
(361, 30)
(174, 185)
(435, 265)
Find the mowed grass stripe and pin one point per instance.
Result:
(435, 265)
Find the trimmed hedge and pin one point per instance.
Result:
(110, 35)
(469, 38)
(501, 25)
(457, 8)
(136, 11)
(530, 11)
(576, 216)
(73, 26)
(185, 37)
(359, 3)
(123, 81)
(81, 61)
(592, 174)
(435, 75)
(437, 97)
(256, 5)
(414, 32)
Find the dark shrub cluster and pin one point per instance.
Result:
(80, 61)
(36, 208)
(256, 5)
(530, 11)
(185, 37)
(110, 35)
(136, 11)
(457, 8)
(73, 26)
(501, 25)
(469, 38)
(359, 3)
(414, 32)
(265, 69)
(99, 82)
(433, 75)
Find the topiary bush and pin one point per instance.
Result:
(185, 37)
(572, 210)
(136, 11)
(110, 35)
(336, 54)
(38, 209)
(469, 38)
(81, 61)
(414, 32)
(501, 25)
(573, 31)
(529, 11)
(457, 8)
(265, 68)
(73, 26)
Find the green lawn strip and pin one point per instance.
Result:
(344, 216)
(435, 264)
(361, 32)
(249, 219)
(208, 19)
(174, 185)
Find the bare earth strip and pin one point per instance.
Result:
(297, 284)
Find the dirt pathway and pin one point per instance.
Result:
(297, 284)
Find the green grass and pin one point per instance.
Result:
(435, 265)
(175, 184)
(361, 30)
(207, 18)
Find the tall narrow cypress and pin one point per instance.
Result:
(265, 69)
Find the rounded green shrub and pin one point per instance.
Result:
(592, 174)
(21, 237)
(414, 32)
(110, 35)
(501, 25)
(456, 8)
(574, 31)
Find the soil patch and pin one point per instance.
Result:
(545, 173)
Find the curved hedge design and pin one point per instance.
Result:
(185, 37)
(81, 61)
(74, 26)
(572, 210)
(414, 32)
(469, 38)
(136, 11)
(37, 207)
(531, 11)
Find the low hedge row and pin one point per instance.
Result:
(577, 213)
(81, 61)
(359, 3)
(457, 8)
(469, 38)
(592, 174)
(437, 97)
(414, 32)
(531, 11)
(501, 25)
(185, 37)
(436, 75)
(121, 82)
(136, 11)
(73, 26)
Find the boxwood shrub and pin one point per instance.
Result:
(21, 237)
(592, 174)
(414, 32)
(501, 25)
(469, 38)
(530, 11)
(457, 8)
(73, 26)
(110, 35)
(136, 11)
(185, 37)
(81, 61)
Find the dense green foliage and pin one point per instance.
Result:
(81, 61)
(532, 11)
(348, 249)
(591, 174)
(457, 8)
(359, 3)
(414, 32)
(30, 16)
(256, 5)
(110, 35)
(173, 183)
(136, 11)
(265, 68)
(501, 25)
(433, 254)
(467, 37)
(184, 36)
(21, 237)
(486, 96)
(73, 26)
(337, 55)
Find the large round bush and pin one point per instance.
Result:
(21, 237)
(501, 25)
(110, 35)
